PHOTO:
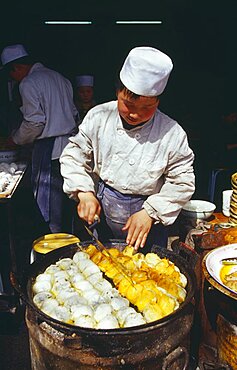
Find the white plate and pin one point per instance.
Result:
(213, 261)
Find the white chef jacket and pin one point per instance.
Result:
(153, 160)
(47, 107)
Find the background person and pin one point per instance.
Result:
(84, 95)
(139, 155)
(48, 121)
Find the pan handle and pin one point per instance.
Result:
(15, 283)
(174, 355)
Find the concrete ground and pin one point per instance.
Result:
(14, 344)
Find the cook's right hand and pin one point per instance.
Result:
(89, 207)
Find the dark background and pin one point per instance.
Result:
(199, 36)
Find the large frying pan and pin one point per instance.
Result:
(110, 339)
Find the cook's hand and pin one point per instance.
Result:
(138, 226)
(88, 207)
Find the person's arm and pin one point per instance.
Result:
(178, 187)
(160, 207)
(33, 114)
(165, 206)
(27, 132)
(76, 166)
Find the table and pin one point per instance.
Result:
(215, 236)
(217, 218)
(7, 248)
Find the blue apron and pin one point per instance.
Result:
(41, 174)
(47, 184)
(116, 209)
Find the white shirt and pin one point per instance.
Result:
(47, 107)
(154, 160)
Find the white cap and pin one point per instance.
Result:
(13, 52)
(146, 71)
(84, 80)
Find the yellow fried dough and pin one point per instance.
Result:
(114, 252)
(138, 276)
(91, 249)
(152, 284)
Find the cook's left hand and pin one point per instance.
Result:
(138, 226)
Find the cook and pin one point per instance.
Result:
(48, 121)
(130, 163)
(84, 95)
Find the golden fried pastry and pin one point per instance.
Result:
(138, 276)
(153, 284)
(97, 257)
(91, 249)
(129, 251)
(114, 252)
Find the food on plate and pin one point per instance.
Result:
(109, 289)
(228, 276)
(9, 174)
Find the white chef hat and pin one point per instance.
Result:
(146, 71)
(84, 80)
(13, 52)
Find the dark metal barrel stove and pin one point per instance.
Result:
(162, 344)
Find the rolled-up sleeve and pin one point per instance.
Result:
(27, 132)
(178, 187)
(76, 165)
(33, 116)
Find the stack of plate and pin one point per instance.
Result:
(233, 201)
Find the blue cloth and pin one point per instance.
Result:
(47, 183)
(41, 174)
(116, 209)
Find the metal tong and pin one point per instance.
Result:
(103, 249)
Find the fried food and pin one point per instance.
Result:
(228, 275)
(152, 284)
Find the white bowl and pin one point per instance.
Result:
(198, 209)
